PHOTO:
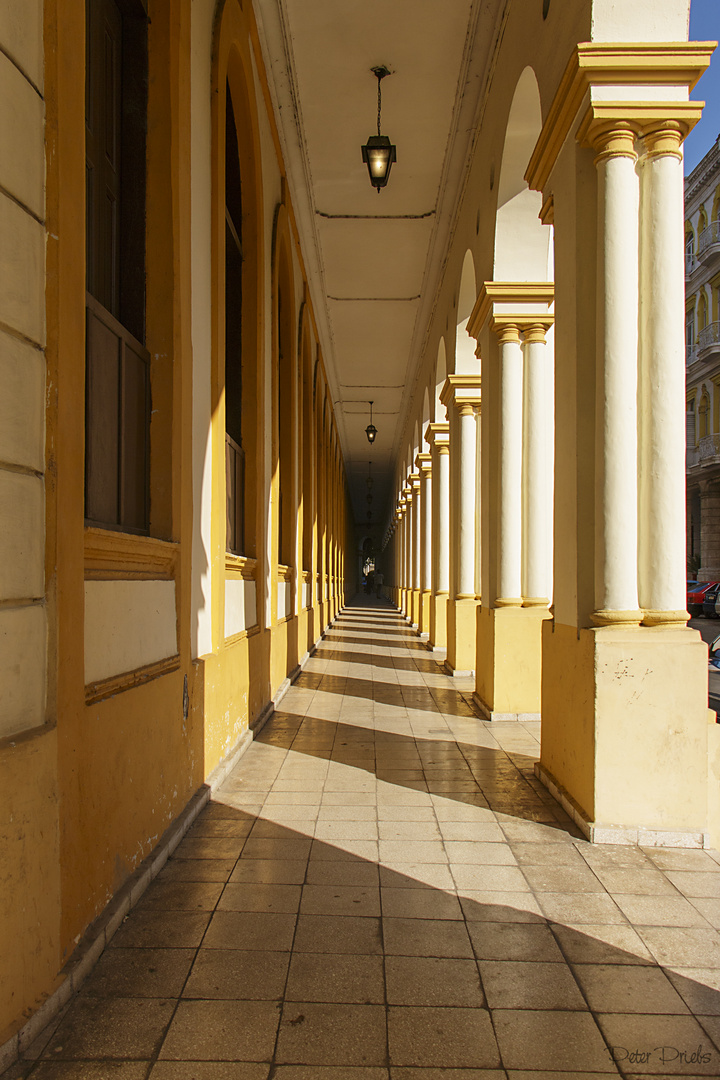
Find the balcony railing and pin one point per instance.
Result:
(709, 447)
(708, 237)
(709, 336)
(690, 262)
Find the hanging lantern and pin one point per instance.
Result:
(371, 430)
(379, 153)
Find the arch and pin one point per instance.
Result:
(237, 295)
(702, 311)
(466, 362)
(284, 386)
(716, 204)
(306, 443)
(704, 414)
(426, 418)
(439, 410)
(702, 221)
(523, 245)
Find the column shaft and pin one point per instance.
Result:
(616, 597)
(511, 410)
(465, 583)
(662, 382)
(535, 588)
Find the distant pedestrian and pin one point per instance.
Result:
(370, 583)
(379, 584)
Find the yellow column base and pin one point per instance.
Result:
(625, 733)
(461, 633)
(508, 666)
(424, 620)
(415, 607)
(438, 621)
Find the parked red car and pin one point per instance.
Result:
(696, 594)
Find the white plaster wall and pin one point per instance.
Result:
(128, 624)
(307, 594)
(240, 605)
(201, 38)
(21, 24)
(23, 649)
(284, 599)
(22, 536)
(22, 397)
(640, 20)
(23, 620)
(272, 193)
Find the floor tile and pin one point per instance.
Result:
(517, 984)
(204, 1070)
(451, 1038)
(660, 910)
(222, 1031)
(621, 988)
(331, 1034)
(237, 974)
(426, 937)
(567, 1042)
(514, 941)
(682, 946)
(340, 900)
(153, 929)
(338, 934)
(333, 977)
(111, 1028)
(270, 871)
(420, 904)
(250, 930)
(433, 981)
(140, 973)
(253, 896)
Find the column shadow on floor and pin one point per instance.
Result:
(261, 953)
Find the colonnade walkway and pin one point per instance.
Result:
(382, 890)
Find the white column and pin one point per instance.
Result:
(511, 424)
(616, 594)
(662, 380)
(535, 586)
(441, 517)
(466, 498)
(478, 503)
(407, 520)
(416, 533)
(426, 545)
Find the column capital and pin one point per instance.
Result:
(513, 302)
(414, 479)
(609, 138)
(423, 462)
(461, 390)
(437, 435)
(535, 333)
(664, 138)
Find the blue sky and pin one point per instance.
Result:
(705, 26)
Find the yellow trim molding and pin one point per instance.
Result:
(116, 684)
(111, 556)
(625, 64)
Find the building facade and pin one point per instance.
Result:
(702, 344)
(179, 453)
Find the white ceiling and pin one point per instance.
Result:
(374, 259)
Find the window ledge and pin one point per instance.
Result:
(240, 565)
(118, 555)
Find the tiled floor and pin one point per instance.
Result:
(382, 891)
